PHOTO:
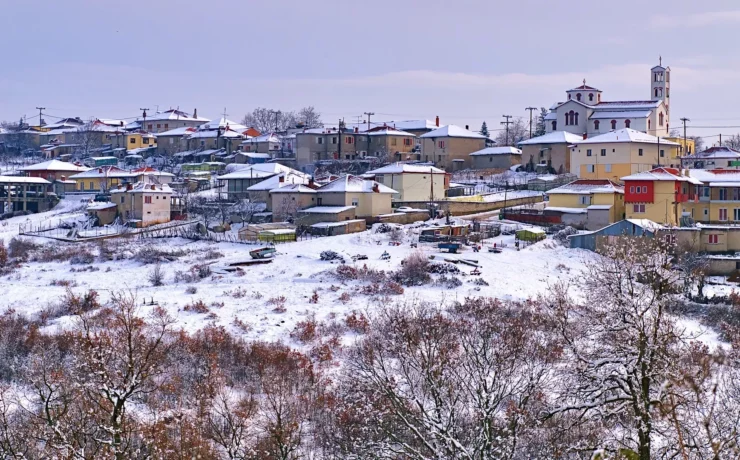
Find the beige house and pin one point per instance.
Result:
(170, 119)
(391, 144)
(413, 182)
(369, 197)
(260, 192)
(286, 202)
(323, 144)
(549, 153)
(266, 143)
(173, 141)
(496, 158)
(143, 204)
(621, 153)
(238, 182)
(450, 147)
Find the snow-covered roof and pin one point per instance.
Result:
(223, 123)
(555, 137)
(181, 131)
(567, 210)
(260, 170)
(22, 180)
(626, 105)
(716, 176)
(174, 114)
(293, 188)
(584, 87)
(600, 207)
(625, 135)
(335, 224)
(646, 224)
(399, 168)
(58, 131)
(207, 134)
(268, 137)
(354, 184)
(714, 153)
(453, 131)
(661, 174)
(103, 171)
(275, 181)
(143, 187)
(497, 151)
(55, 165)
(602, 115)
(264, 156)
(327, 209)
(587, 187)
(99, 206)
(389, 131)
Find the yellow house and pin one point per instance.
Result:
(621, 153)
(601, 199)
(143, 203)
(369, 197)
(686, 147)
(450, 147)
(140, 140)
(101, 179)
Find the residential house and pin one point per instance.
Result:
(174, 140)
(549, 153)
(496, 158)
(586, 113)
(143, 203)
(323, 144)
(450, 147)
(219, 138)
(260, 192)
(53, 170)
(662, 195)
(621, 153)
(169, 119)
(106, 178)
(238, 182)
(412, 182)
(712, 158)
(687, 146)
(285, 202)
(390, 144)
(624, 229)
(267, 143)
(597, 203)
(368, 196)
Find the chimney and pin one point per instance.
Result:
(375, 187)
(357, 129)
(436, 122)
(100, 170)
(310, 182)
(585, 136)
(154, 187)
(281, 179)
(195, 113)
(467, 127)
(128, 186)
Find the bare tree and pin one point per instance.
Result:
(88, 137)
(518, 131)
(269, 120)
(245, 209)
(309, 117)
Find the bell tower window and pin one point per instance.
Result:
(626, 123)
(660, 119)
(591, 97)
(554, 125)
(578, 97)
(596, 125)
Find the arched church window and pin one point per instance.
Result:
(591, 97)
(650, 122)
(660, 119)
(554, 125)
(614, 124)
(599, 97)
(626, 123)
(596, 125)
(578, 97)
(568, 96)
(575, 122)
(655, 92)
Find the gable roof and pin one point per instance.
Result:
(555, 137)
(260, 170)
(55, 165)
(399, 168)
(453, 131)
(355, 184)
(182, 131)
(274, 182)
(173, 114)
(661, 174)
(714, 152)
(714, 176)
(584, 87)
(223, 123)
(293, 188)
(497, 151)
(387, 131)
(625, 135)
(587, 187)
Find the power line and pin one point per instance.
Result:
(507, 123)
(531, 109)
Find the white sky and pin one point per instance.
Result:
(464, 60)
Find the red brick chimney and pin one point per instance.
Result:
(281, 179)
(585, 135)
(376, 189)
(436, 122)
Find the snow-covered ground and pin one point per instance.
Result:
(296, 273)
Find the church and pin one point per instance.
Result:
(586, 113)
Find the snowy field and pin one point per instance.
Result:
(271, 298)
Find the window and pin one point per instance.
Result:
(614, 124)
(591, 97)
(596, 125)
(441, 144)
(632, 189)
(736, 214)
(334, 140)
(660, 119)
(607, 168)
(166, 126)
(584, 200)
(132, 141)
(603, 152)
(407, 142)
(590, 168)
(145, 140)
(158, 126)
(319, 140)
(638, 208)
(706, 213)
(92, 185)
(150, 127)
(649, 124)
(644, 189)
(626, 123)
(355, 201)
(639, 152)
(723, 214)
(148, 200)
(588, 152)
(554, 125)
(490, 159)
(349, 140)
(122, 198)
(662, 153)
(723, 194)
(655, 92)
(713, 239)
(578, 97)
(172, 140)
(318, 201)
(393, 141)
(576, 119)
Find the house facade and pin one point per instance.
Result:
(549, 152)
(496, 158)
(143, 203)
(713, 158)
(170, 119)
(601, 201)
(413, 182)
(450, 147)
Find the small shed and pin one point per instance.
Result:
(318, 214)
(104, 212)
(338, 228)
(608, 235)
(722, 265)
(530, 235)
(278, 235)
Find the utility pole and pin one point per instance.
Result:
(339, 139)
(276, 112)
(143, 124)
(530, 119)
(40, 114)
(507, 123)
(369, 114)
(684, 120)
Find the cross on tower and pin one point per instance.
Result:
(660, 61)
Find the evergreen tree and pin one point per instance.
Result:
(540, 126)
(484, 129)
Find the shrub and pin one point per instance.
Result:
(279, 303)
(83, 257)
(443, 268)
(321, 353)
(357, 322)
(345, 297)
(191, 290)
(414, 270)
(450, 282)
(156, 276)
(20, 248)
(480, 282)
(347, 273)
(241, 325)
(63, 283)
(305, 331)
(314, 298)
(212, 254)
(562, 236)
(151, 255)
(197, 307)
(330, 255)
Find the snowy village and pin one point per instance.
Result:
(230, 281)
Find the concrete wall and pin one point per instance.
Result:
(461, 208)
(402, 217)
(495, 161)
(310, 218)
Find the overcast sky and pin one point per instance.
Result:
(464, 60)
